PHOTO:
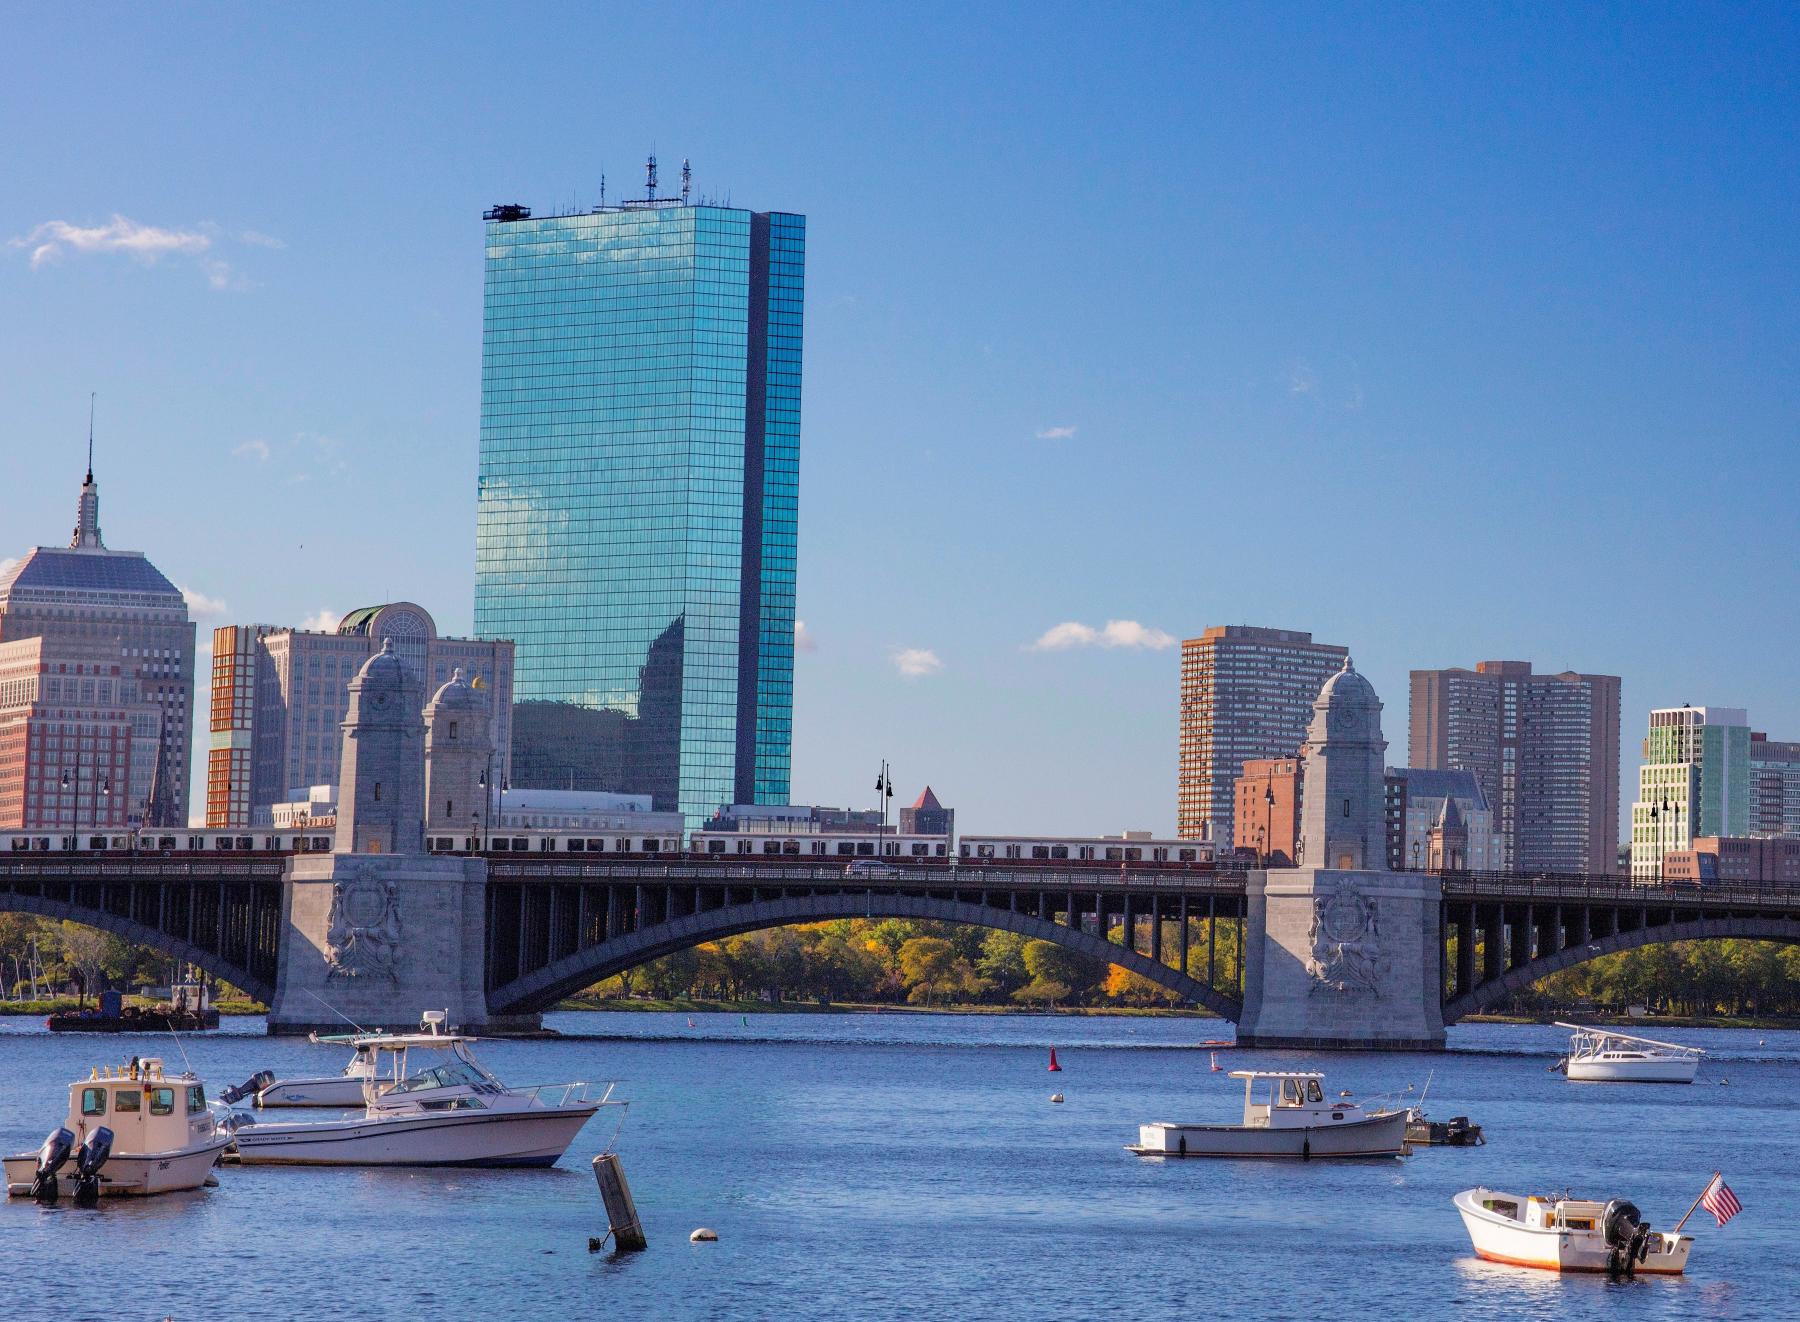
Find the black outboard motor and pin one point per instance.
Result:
(88, 1162)
(248, 1088)
(50, 1160)
(1627, 1238)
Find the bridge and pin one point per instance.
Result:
(554, 925)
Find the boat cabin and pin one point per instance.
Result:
(147, 1110)
(1291, 1099)
(427, 1071)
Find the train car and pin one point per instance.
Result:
(819, 846)
(165, 840)
(1084, 851)
(511, 840)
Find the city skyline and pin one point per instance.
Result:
(1475, 358)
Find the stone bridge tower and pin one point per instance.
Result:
(381, 930)
(1342, 952)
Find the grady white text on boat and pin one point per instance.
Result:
(1293, 1118)
(429, 1102)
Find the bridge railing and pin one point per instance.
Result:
(901, 876)
(1608, 888)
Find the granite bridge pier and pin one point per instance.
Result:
(1337, 953)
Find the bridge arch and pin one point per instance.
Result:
(543, 988)
(143, 935)
(1508, 985)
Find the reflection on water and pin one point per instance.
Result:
(873, 1166)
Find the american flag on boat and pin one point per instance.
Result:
(1720, 1201)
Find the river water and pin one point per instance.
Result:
(890, 1165)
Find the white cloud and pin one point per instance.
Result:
(803, 638)
(321, 621)
(1057, 434)
(917, 662)
(200, 605)
(146, 244)
(1301, 379)
(252, 450)
(1115, 633)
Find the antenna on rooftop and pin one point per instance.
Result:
(687, 177)
(603, 190)
(90, 470)
(650, 177)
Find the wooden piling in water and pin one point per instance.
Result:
(621, 1213)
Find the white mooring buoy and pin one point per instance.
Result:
(1056, 1097)
(704, 1235)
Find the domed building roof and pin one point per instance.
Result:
(457, 694)
(1348, 686)
(384, 670)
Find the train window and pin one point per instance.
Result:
(1040, 851)
(1133, 855)
(865, 848)
(596, 846)
(96, 842)
(715, 846)
(520, 844)
(1185, 855)
(244, 843)
(578, 846)
(939, 851)
(1112, 854)
(790, 846)
(921, 851)
(223, 842)
(652, 846)
(500, 846)
(771, 846)
(1059, 851)
(845, 847)
(981, 851)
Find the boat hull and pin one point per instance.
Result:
(1501, 1239)
(1633, 1071)
(534, 1137)
(1376, 1136)
(134, 1175)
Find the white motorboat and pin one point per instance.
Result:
(1562, 1234)
(429, 1102)
(1286, 1114)
(342, 1090)
(131, 1129)
(1599, 1055)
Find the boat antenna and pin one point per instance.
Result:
(188, 1064)
(1427, 1087)
(339, 1013)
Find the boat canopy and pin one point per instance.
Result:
(1277, 1074)
(1602, 1036)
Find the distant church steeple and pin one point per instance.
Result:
(87, 514)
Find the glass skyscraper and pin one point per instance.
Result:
(640, 440)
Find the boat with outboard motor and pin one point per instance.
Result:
(1600, 1055)
(1563, 1234)
(343, 1090)
(131, 1129)
(429, 1102)
(1291, 1118)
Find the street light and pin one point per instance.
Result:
(1415, 849)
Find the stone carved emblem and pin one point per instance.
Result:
(362, 937)
(1346, 943)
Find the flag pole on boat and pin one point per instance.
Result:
(1709, 1184)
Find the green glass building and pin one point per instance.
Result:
(639, 473)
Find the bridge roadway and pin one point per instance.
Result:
(556, 924)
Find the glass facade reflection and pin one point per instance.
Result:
(640, 429)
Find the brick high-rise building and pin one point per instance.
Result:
(1267, 812)
(1545, 749)
(1774, 786)
(111, 624)
(1246, 693)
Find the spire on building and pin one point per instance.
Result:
(87, 511)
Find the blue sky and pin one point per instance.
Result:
(1447, 333)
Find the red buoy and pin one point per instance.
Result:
(1054, 1067)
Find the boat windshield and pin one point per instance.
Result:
(1295, 1092)
(452, 1073)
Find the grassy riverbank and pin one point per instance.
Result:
(69, 1004)
(1647, 1024)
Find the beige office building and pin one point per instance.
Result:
(1246, 694)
